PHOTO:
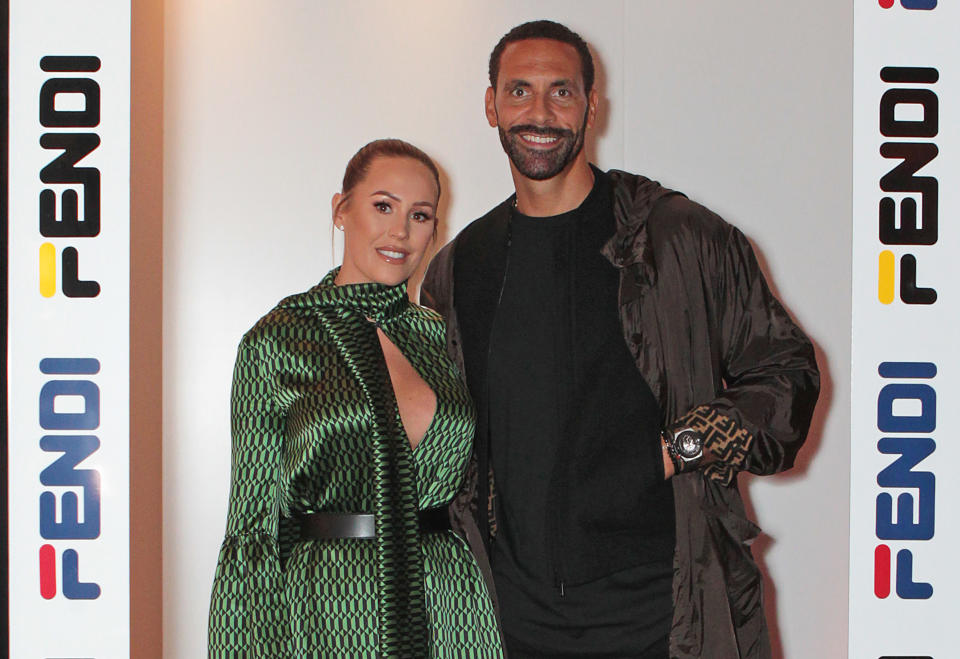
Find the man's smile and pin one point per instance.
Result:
(538, 139)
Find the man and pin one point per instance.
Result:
(627, 360)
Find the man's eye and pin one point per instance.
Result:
(519, 91)
(563, 92)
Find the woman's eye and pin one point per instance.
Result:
(382, 206)
(421, 217)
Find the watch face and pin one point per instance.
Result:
(689, 444)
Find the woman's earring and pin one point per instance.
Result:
(339, 226)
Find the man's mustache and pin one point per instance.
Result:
(542, 131)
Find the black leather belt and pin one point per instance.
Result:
(324, 526)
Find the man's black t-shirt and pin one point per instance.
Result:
(585, 523)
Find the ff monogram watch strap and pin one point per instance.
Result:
(726, 441)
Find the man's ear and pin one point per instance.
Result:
(592, 101)
(489, 106)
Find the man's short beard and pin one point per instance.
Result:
(542, 165)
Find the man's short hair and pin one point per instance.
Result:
(544, 29)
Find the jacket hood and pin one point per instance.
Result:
(633, 198)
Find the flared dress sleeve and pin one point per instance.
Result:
(248, 613)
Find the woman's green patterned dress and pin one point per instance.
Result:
(316, 428)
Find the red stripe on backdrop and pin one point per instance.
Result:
(881, 571)
(48, 572)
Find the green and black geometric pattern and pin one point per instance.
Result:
(315, 427)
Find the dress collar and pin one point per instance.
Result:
(378, 302)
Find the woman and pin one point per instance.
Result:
(351, 430)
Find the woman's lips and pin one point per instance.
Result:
(392, 254)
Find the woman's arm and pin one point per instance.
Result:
(248, 612)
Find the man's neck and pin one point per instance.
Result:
(556, 195)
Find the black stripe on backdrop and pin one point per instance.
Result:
(4, 280)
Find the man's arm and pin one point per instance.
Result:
(761, 417)
(436, 291)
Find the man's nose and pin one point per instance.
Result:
(541, 110)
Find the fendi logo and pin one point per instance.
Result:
(69, 101)
(909, 112)
(906, 415)
(69, 404)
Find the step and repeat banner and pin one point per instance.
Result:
(904, 533)
(68, 328)
(68, 222)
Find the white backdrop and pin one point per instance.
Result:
(744, 105)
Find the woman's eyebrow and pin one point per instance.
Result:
(385, 194)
